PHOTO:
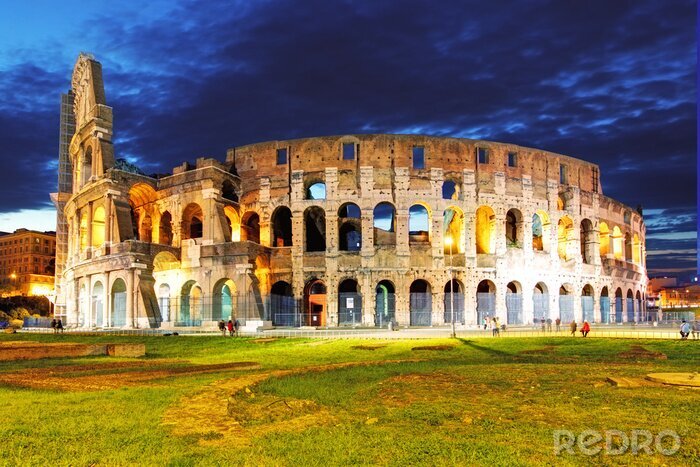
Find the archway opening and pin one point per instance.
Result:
(165, 229)
(604, 306)
(119, 303)
(224, 299)
(618, 305)
(418, 224)
(565, 230)
(604, 236)
(453, 231)
(541, 231)
(228, 191)
(316, 191)
(283, 306)
(282, 227)
(98, 227)
(514, 228)
(385, 301)
(384, 224)
(450, 190)
(192, 217)
(514, 303)
(164, 302)
(540, 303)
(485, 302)
(566, 303)
(98, 293)
(618, 244)
(250, 227)
(453, 302)
(190, 305)
(485, 228)
(349, 303)
(315, 229)
(315, 303)
(587, 303)
(420, 303)
(629, 306)
(349, 228)
(587, 235)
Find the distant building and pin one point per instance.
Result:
(679, 297)
(27, 259)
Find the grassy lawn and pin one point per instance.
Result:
(482, 401)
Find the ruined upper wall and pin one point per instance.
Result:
(390, 151)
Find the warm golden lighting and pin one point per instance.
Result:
(448, 241)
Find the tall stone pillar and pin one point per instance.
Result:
(88, 252)
(130, 292)
(107, 309)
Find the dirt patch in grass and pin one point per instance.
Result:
(434, 347)
(368, 347)
(639, 352)
(100, 377)
(407, 389)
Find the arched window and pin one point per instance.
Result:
(190, 304)
(485, 241)
(514, 228)
(565, 229)
(192, 217)
(223, 300)
(282, 227)
(514, 303)
(566, 303)
(450, 190)
(420, 304)
(453, 230)
(316, 191)
(636, 250)
(315, 229)
(587, 303)
(587, 241)
(453, 302)
(98, 293)
(418, 224)
(283, 308)
(485, 301)
(165, 229)
(98, 227)
(628, 247)
(250, 227)
(540, 231)
(119, 303)
(385, 303)
(86, 169)
(384, 224)
(540, 302)
(349, 303)
(349, 227)
(84, 240)
(233, 222)
(604, 239)
(618, 245)
(228, 191)
(146, 228)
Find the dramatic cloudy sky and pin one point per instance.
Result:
(612, 82)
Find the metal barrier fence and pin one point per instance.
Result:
(457, 299)
(30, 322)
(605, 310)
(421, 309)
(386, 309)
(566, 308)
(485, 307)
(349, 309)
(540, 304)
(587, 305)
(514, 308)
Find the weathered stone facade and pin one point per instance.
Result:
(327, 230)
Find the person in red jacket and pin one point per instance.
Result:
(585, 329)
(229, 326)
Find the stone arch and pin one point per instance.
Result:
(540, 303)
(224, 299)
(636, 250)
(604, 301)
(281, 227)
(118, 303)
(314, 303)
(419, 223)
(316, 190)
(566, 303)
(628, 247)
(617, 243)
(453, 230)
(165, 261)
(283, 309)
(84, 240)
(314, 229)
(385, 302)
(541, 228)
(165, 229)
(514, 303)
(190, 304)
(164, 302)
(349, 227)
(229, 192)
(485, 301)
(420, 303)
(619, 304)
(587, 238)
(485, 230)
(384, 224)
(453, 302)
(192, 221)
(629, 306)
(514, 228)
(233, 221)
(250, 227)
(145, 227)
(587, 303)
(451, 190)
(98, 227)
(349, 302)
(97, 311)
(565, 230)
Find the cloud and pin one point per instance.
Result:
(607, 82)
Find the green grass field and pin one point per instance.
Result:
(489, 401)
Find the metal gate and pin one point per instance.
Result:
(349, 309)
(119, 309)
(540, 304)
(566, 308)
(421, 308)
(514, 305)
(587, 308)
(629, 304)
(485, 306)
(618, 309)
(386, 308)
(284, 311)
(605, 310)
(458, 300)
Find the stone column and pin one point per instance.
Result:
(89, 231)
(107, 310)
(528, 305)
(130, 298)
(367, 217)
(368, 300)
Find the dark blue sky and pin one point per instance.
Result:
(612, 82)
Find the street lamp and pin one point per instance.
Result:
(448, 241)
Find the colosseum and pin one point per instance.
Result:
(352, 230)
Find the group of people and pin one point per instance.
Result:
(686, 329)
(231, 327)
(57, 325)
(495, 324)
(585, 328)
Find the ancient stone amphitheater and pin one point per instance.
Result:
(342, 230)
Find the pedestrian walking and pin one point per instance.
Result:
(59, 325)
(229, 326)
(573, 327)
(542, 322)
(685, 330)
(696, 330)
(222, 327)
(236, 326)
(558, 323)
(494, 327)
(53, 325)
(585, 329)
(549, 324)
